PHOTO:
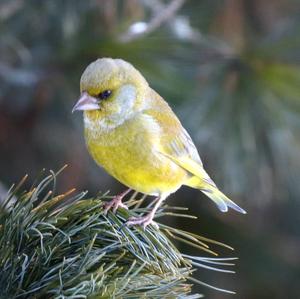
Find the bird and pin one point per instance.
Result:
(133, 133)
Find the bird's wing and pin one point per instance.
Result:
(175, 142)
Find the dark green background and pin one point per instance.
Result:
(231, 71)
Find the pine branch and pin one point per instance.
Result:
(64, 246)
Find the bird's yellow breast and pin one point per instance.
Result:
(130, 153)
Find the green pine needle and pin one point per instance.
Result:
(65, 247)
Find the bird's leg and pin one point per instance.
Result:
(116, 202)
(147, 219)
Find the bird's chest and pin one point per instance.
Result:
(123, 148)
(130, 153)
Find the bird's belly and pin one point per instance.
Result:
(139, 167)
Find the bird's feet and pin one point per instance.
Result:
(144, 221)
(116, 202)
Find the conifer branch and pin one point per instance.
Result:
(63, 246)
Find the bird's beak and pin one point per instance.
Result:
(86, 102)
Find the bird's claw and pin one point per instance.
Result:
(143, 221)
(114, 204)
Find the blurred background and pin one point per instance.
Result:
(231, 71)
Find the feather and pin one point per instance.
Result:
(177, 145)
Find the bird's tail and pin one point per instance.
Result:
(208, 187)
(221, 200)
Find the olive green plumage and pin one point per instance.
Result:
(136, 137)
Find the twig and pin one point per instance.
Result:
(10, 8)
(163, 14)
(161, 17)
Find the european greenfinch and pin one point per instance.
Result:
(135, 136)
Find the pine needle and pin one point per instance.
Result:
(63, 246)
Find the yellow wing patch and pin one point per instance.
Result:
(175, 142)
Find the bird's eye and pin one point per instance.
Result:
(104, 94)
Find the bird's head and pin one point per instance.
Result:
(111, 91)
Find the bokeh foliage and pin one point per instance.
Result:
(230, 69)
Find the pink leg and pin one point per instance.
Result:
(116, 202)
(147, 219)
